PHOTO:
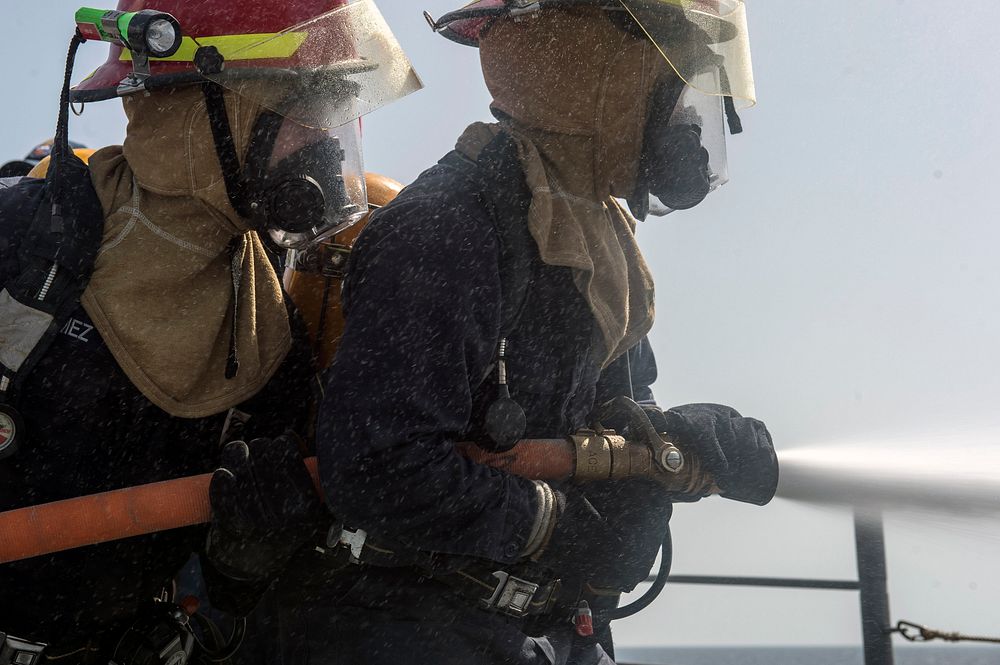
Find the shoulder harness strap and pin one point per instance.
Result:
(56, 260)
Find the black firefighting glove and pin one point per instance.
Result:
(736, 452)
(264, 508)
(582, 544)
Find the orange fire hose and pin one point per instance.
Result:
(172, 504)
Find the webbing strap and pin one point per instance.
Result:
(499, 591)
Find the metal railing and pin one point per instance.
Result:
(871, 584)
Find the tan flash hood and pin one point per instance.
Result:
(176, 262)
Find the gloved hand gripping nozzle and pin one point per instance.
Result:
(693, 450)
(641, 431)
(604, 454)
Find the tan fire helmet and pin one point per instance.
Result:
(707, 46)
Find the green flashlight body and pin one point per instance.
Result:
(107, 25)
(145, 32)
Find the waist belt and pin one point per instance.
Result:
(15, 651)
(499, 591)
(490, 589)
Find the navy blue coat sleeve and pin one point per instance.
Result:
(631, 374)
(422, 304)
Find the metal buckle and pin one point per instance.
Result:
(512, 595)
(15, 651)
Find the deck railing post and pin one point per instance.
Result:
(875, 623)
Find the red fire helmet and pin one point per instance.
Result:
(226, 25)
(283, 53)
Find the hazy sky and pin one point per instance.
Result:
(843, 285)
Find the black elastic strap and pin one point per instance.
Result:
(258, 157)
(262, 137)
(732, 117)
(225, 147)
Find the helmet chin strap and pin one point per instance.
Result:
(732, 117)
(236, 187)
(247, 184)
(208, 60)
(225, 148)
(661, 106)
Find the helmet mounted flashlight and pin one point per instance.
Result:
(147, 32)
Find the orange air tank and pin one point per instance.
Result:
(314, 277)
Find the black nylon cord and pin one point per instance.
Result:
(60, 144)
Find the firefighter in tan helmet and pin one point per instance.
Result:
(143, 327)
(502, 296)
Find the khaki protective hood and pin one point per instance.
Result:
(572, 90)
(175, 258)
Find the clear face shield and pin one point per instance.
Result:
(304, 175)
(333, 69)
(698, 37)
(313, 185)
(707, 46)
(684, 153)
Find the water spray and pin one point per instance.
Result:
(952, 474)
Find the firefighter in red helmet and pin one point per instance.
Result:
(143, 327)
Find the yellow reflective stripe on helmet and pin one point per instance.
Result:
(259, 46)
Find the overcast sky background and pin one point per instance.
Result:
(843, 285)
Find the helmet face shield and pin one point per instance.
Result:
(325, 72)
(706, 45)
(692, 35)
(691, 151)
(698, 37)
(313, 185)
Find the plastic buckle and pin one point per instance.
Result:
(354, 540)
(335, 264)
(512, 595)
(15, 651)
